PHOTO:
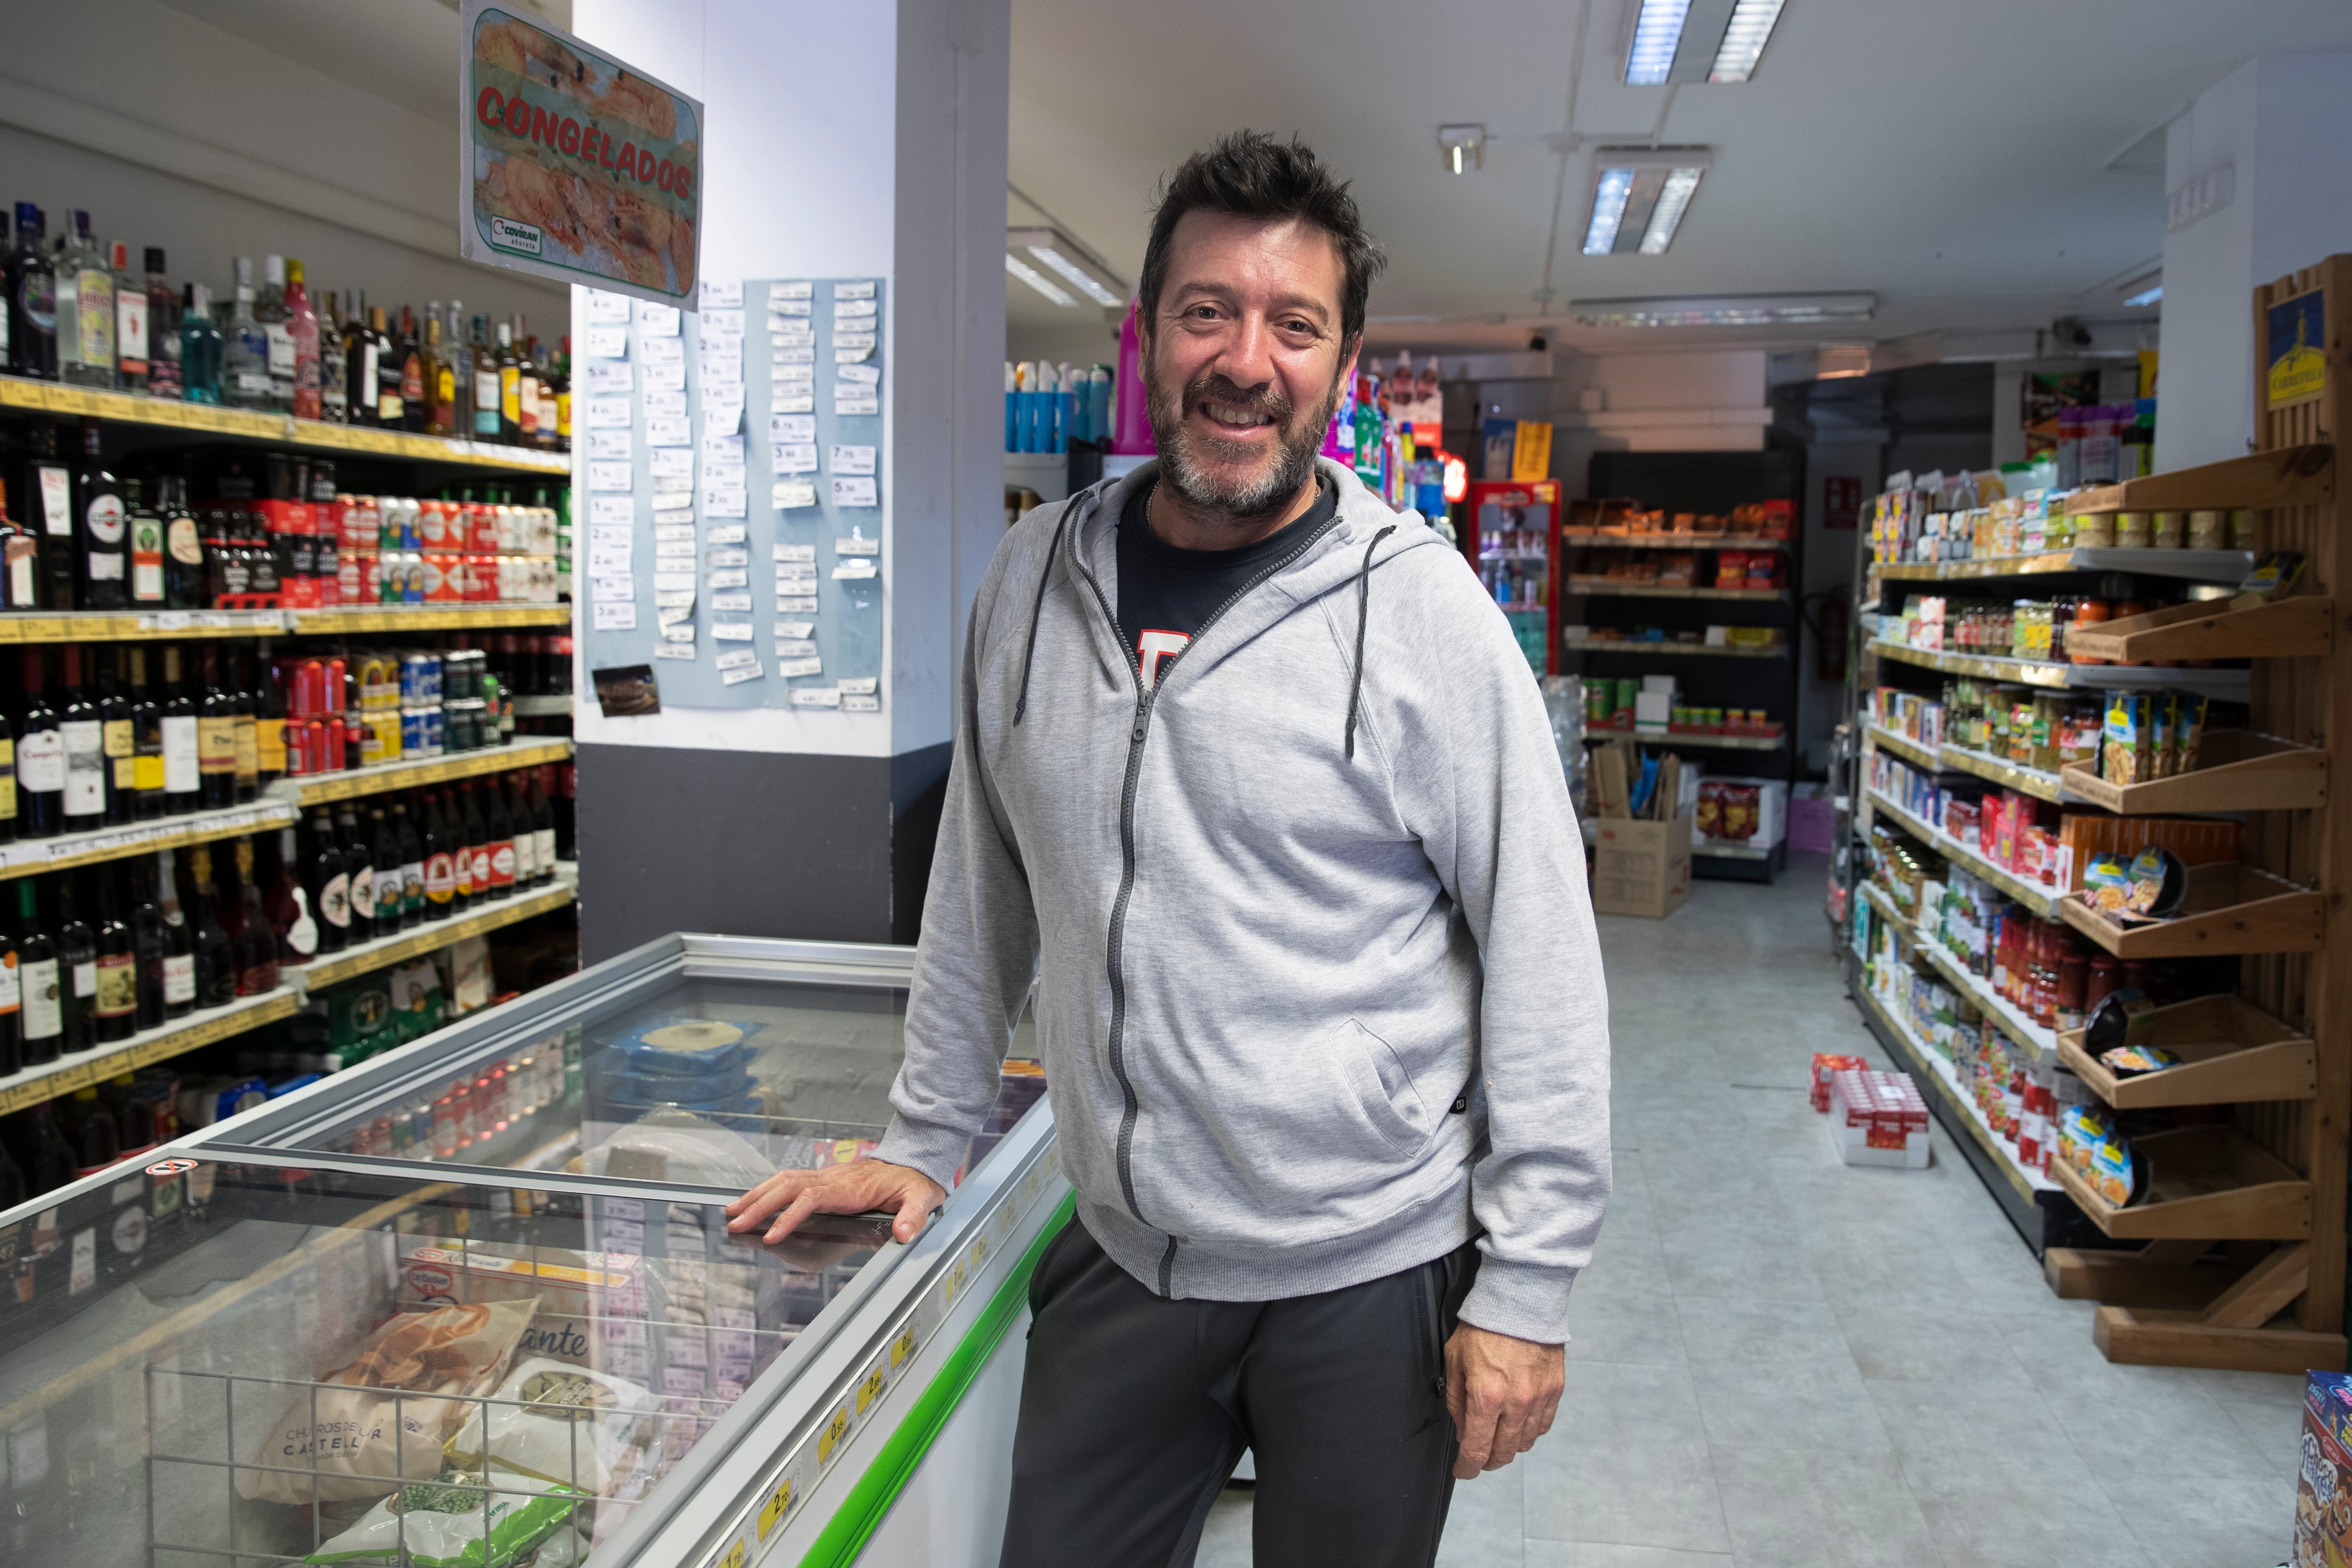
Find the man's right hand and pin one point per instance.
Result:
(859, 1187)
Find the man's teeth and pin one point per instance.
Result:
(1237, 417)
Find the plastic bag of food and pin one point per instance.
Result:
(679, 1146)
(383, 1416)
(559, 1423)
(456, 1522)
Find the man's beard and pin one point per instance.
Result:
(1181, 453)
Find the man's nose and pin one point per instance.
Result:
(1247, 360)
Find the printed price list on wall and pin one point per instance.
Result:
(709, 464)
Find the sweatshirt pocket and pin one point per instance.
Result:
(1382, 1088)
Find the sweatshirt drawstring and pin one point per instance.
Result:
(1038, 611)
(1363, 614)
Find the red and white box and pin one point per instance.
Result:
(1827, 1066)
(1878, 1119)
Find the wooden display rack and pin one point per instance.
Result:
(2243, 1265)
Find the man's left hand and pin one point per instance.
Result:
(1502, 1394)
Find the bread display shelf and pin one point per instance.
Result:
(2206, 1184)
(2242, 770)
(2284, 475)
(2232, 1052)
(2276, 629)
(2230, 909)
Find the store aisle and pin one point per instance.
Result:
(1781, 1360)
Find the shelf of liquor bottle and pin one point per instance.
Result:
(1679, 738)
(138, 625)
(318, 788)
(424, 618)
(27, 857)
(1607, 588)
(2192, 565)
(283, 429)
(2036, 1041)
(1646, 645)
(1669, 540)
(176, 1037)
(543, 707)
(363, 958)
(2034, 781)
(2036, 897)
(2221, 685)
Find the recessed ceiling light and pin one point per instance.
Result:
(1064, 257)
(1678, 41)
(1639, 196)
(1463, 147)
(1724, 310)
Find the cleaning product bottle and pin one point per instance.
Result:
(1097, 415)
(1064, 406)
(1011, 411)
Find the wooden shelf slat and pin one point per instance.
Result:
(2206, 1184)
(2303, 628)
(2231, 1053)
(2285, 475)
(2241, 771)
(2230, 909)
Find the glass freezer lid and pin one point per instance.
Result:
(231, 1364)
(706, 1080)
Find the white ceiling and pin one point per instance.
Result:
(1987, 163)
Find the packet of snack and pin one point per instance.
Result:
(2163, 710)
(2189, 731)
(2158, 882)
(455, 1520)
(380, 1419)
(2121, 741)
(2106, 883)
(2128, 1061)
(558, 1422)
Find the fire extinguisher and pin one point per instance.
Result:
(1826, 617)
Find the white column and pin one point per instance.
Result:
(2257, 185)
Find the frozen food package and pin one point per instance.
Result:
(455, 1521)
(678, 1146)
(554, 1421)
(383, 1415)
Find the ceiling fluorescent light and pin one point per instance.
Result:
(1725, 310)
(2145, 289)
(1067, 259)
(1463, 146)
(1037, 280)
(1657, 31)
(1639, 196)
(1743, 39)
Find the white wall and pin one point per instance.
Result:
(2281, 123)
(864, 141)
(1692, 401)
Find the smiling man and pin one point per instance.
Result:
(1252, 776)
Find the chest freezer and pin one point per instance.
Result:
(474, 1300)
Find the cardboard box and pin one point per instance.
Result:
(2323, 1491)
(1642, 867)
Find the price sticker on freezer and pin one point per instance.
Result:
(829, 1441)
(869, 1388)
(902, 1348)
(734, 1558)
(779, 1503)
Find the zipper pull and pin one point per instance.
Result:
(1142, 714)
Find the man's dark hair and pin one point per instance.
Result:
(1251, 174)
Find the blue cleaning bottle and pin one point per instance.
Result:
(1097, 415)
(1066, 402)
(1011, 411)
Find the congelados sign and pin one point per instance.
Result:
(575, 167)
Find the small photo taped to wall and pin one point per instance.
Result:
(627, 691)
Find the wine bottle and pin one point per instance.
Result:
(184, 576)
(50, 507)
(256, 944)
(215, 950)
(478, 840)
(146, 742)
(328, 881)
(77, 963)
(246, 781)
(12, 1004)
(40, 757)
(410, 849)
(43, 1026)
(104, 531)
(440, 861)
(543, 818)
(7, 777)
(497, 862)
(288, 906)
(20, 565)
(182, 762)
(179, 941)
(359, 860)
(150, 941)
(83, 730)
(217, 736)
(118, 737)
(510, 792)
(146, 547)
(269, 730)
(114, 1006)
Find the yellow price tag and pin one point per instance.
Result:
(902, 1348)
(979, 1253)
(954, 1283)
(734, 1558)
(779, 1502)
(830, 1439)
(870, 1389)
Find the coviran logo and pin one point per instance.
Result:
(509, 235)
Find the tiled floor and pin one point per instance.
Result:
(1781, 1362)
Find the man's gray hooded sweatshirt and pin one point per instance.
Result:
(1319, 996)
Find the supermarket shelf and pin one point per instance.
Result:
(1670, 540)
(2033, 895)
(1945, 1083)
(138, 625)
(2230, 909)
(1903, 746)
(1602, 588)
(2225, 685)
(2204, 1184)
(2192, 565)
(2280, 629)
(1629, 644)
(344, 785)
(201, 1028)
(35, 855)
(1985, 766)
(2039, 1043)
(1728, 851)
(2238, 770)
(2231, 1051)
(2286, 475)
(543, 707)
(426, 618)
(433, 935)
(279, 429)
(1672, 738)
(1878, 898)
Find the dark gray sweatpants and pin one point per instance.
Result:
(1135, 1409)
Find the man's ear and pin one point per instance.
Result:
(1142, 327)
(1347, 352)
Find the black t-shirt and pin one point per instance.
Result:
(1165, 592)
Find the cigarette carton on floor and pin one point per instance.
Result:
(1878, 1119)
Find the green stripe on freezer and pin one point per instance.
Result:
(869, 1501)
